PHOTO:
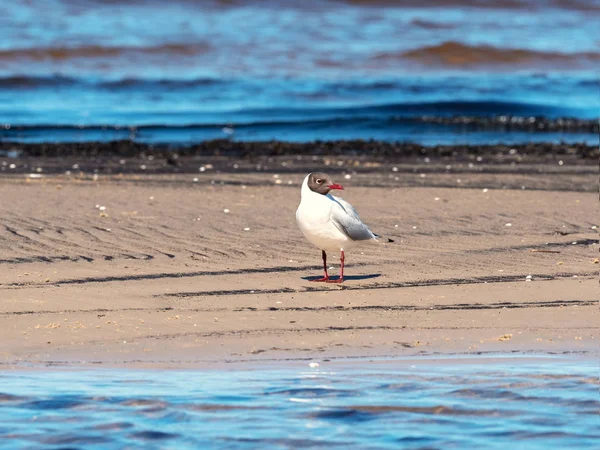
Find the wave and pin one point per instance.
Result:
(449, 54)
(33, 81)
(161, 83)
(431, 25)
(439, 108)
(316, 89)
(98, 51)
(456, 54)
(29, 82)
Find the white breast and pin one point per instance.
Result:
(314, 220)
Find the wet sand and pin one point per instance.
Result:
(146, 268)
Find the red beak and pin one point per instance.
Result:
(336, 186)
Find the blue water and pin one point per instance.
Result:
(521, 403)
(186, 71)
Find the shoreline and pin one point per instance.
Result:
(330, 363)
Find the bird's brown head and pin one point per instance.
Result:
(320, 183)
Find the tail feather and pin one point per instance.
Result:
(379, 237)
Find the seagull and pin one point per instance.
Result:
(329, 223)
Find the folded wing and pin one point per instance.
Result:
(346, 219)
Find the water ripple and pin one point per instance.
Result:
(392, 405)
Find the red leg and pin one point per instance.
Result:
(341, 278)
(326, 277)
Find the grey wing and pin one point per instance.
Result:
(347, 207)
(346, 220)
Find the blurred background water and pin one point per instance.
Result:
(534, 403)
(184, 70)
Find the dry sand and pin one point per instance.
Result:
(163, 276)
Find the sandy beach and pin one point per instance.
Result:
(159, 269)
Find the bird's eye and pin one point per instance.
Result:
(319, 181)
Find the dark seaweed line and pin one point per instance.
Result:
(387, 285)
(224, 147)
(460, 306)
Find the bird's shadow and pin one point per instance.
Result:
(347, 277)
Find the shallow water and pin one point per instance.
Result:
(424, 403)
(189, 71)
